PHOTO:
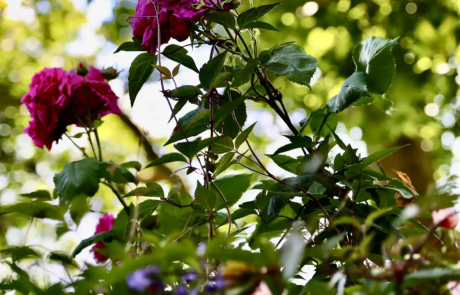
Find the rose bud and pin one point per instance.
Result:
(110, 73)
(446, 218)
(82, 69)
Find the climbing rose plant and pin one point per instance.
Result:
(337, 225)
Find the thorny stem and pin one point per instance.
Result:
(228, 209)
(81, 149)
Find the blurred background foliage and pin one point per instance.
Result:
(422, 109)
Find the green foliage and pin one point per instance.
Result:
(290, 61)
(139, 73)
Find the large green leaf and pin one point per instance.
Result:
(78, 178)
(371, 159)
(172, 218)
(152, 189)
(210, 72)
(290, 61)
(374, 58)
(222, 145)
(91, 240)
(291, 254)
(224, 163)
(232, 187)
(205, 197)
(40, 194)
(296, 142)
(139, 72)
(191, 148)
(224, 114)
(254, 14)
(224, 18)
(287, 163)
(178, 54)
(352, 89)
(117, 173)
(193, 123)
(18, 253)
(243, 136)
(168, 158)
(244, 75)
(130, 46)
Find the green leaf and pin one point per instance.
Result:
(132, 164)
(139, 72)
(374, 58)
(291, 255)
(287, 163)
(193, 123)
(40, 194)
(116, 173)
(243, 76)
(316, 188)
(152, 189)
(371, 159)
(232, 187)
(168, 158)
(238, 214)
(254, 14)
(296, 142)
(191, 148)
(18, 253)
(163, 70)
(403, 189)
(61, 229)
(243, 136)
(223, 164)
(222, 145)
(178, 54)
(91, 240)
(261, 26)
(230, 128)
(224, 18)
(78, 178)
(146, 208)
(227, 109)
(352, 89)
(205, 197)
(172, 218)
(177, 108)
(63, 259)
(290, 61)
(130, 46)
(209, 73)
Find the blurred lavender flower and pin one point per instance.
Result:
(181, 290)
(218, 284)
(142, 279)
(201, 249)
(191, 276)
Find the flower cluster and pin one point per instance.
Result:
(57, 99)
(105, 224)
(147, 279)
(171, 17)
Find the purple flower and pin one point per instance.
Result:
(181, 290)
(218, 284)
(191, 276)
(142, 279)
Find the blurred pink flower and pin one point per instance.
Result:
(454, 288)
(105, 224)
(48, 95)
(447, 218)
(262, 289)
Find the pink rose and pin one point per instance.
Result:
(446, 218)
(97, 95)
(105, 224)
(48, 95)
(175, 18)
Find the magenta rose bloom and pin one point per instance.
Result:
(97, 95)
(175, 18)
(105, 224)
(49, 93)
